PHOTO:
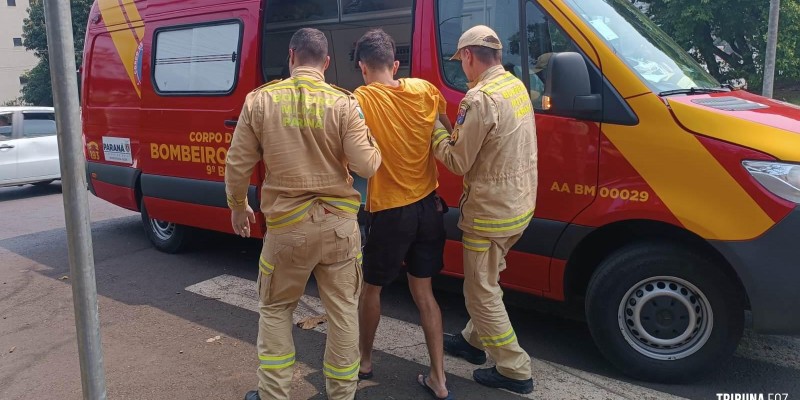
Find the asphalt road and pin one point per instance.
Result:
(160, 316)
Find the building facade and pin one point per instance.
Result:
(14, 59)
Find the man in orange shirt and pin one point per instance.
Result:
(405, 214)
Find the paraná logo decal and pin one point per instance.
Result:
(117, 149)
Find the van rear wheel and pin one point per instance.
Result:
(663, 313)
(168, 237)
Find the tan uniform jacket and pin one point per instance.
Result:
(493, 146)
(308, 134)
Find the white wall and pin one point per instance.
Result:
(14, 61)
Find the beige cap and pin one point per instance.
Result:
(480, 35)
(541, 62)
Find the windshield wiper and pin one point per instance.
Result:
(693, 90)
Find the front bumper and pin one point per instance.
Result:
(769, 268)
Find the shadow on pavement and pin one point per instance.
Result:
(29, 191)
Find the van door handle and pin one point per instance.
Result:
(231, 123)
(6, 146)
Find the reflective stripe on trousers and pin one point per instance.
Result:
(502, 225)
(296, 215)
(346, 373)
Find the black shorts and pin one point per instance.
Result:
(413, 234)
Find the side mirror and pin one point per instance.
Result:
(568, 89)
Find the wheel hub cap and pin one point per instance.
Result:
(162, 229)
(665, 318)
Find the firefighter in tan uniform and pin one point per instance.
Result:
(493, 145)
(308, 134)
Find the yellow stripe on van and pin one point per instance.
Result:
(124, 38)
(134, 17)
(693, 185)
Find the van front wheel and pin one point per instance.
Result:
(663, 313)
(168, 237)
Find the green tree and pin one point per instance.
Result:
(740, 26)
(38, 90)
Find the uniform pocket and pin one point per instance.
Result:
(263, 285)
(285, 249)
(342, 242)
(478, 261)
(359, 277)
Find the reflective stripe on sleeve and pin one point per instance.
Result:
(439, 135)
(233, 203)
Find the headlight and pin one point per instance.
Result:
(782, 179)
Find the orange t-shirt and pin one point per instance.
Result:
(401, 119)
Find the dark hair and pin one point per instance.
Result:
(376, 49)
(486, 55)
(310, 46)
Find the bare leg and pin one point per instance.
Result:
(369, 315)
(431, 318)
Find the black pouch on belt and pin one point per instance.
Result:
(441, 206)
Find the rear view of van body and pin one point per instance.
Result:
(668, 204)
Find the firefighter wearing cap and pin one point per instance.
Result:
(493, 145)
(308, 134)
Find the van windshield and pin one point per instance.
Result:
(643, 46)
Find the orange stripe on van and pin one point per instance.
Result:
(124, 39)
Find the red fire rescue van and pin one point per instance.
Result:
(668, 203)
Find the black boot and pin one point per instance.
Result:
(457, 346)
(252, 395)
(491, 378)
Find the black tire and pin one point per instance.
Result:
(644, 275)
(43, 183)
(166, 236)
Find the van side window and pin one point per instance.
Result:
(38, 125)
(301, 10)
(363, 6)
(456, 16)
(544, 39)
(6, 128)
(201, 59)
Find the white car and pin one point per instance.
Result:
(28, 146)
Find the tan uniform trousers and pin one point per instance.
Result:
(328, 246)
(489, 327)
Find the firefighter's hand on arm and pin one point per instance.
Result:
(243, 155)
(362, 153)
(442, 108)
(444, 121)
(457, 151)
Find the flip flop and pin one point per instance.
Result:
(424, 384)
(362, 376)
